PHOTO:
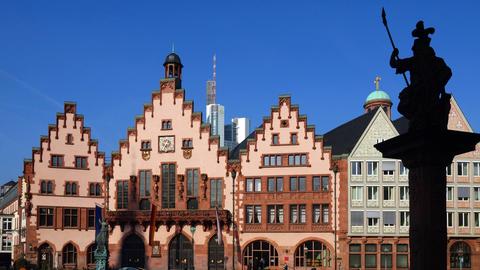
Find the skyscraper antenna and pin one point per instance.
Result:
(214, 67)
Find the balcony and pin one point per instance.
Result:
(169, 218)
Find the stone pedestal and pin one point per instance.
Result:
(426, 154)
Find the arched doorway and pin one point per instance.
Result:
(460, 253)
(45, 257)
(260, 254)
(180, 253)
(133, 252)
(312, 254)
(216, 259)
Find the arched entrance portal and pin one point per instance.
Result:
(45, 257)
(180, 253)
(460, 255)
(215, 255)
(133, 252)
(259, 255)
(312, 254)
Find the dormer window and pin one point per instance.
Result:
(166, 124)
(187, 143)
(69, 138)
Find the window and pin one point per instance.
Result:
(275, 139)
(275, 184)
(253, 214)
(462, 168)
(80, 162)
(388, 167)
(122, 194)
(70, 217)
(356, 218)
(476, 217)
(7, 223)
(372, 168)
(192, 182)
(253, 185)
(275, 214)
(91, 254)
(46, 187)
(404, 218)
(370, 255)
(294, 138)
(476, 168)
(449, 219)
(69, 254)
(297, 183)
(372, 193)
(272, 160)
(404, 193)
(91, 219)
(166, 124)
(402, 255)
(476, 193)
(146, 145)
(312, 254)
(388, 193)
(463, 193)
(297, 160)
(386, 256)
(463, 219)
(372, 221)
(357, 193)
(69, 138)
(168, 185)
(95, 189)
(354, 256)
(187, 143)
(356, 167)
(298, 213)
(449, 169)
(324, 208)
(460, 256)
(389, 218)
(320, 183)
(56, 161)
(403, 170)
(449, 193)
(216, 193)
(46, 217)
(6, 242)
(71, 188)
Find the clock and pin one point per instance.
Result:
(166, 144)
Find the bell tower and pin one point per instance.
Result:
(173, 67)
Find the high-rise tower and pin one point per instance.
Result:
(215, 112)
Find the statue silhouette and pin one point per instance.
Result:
(424, 102)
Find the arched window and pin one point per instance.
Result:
(91, 254)
(260, 254)
(460, 255)
(45, 257)
(69, 255)
(215, 254)
(312, 254)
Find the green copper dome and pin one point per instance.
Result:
(377, 95)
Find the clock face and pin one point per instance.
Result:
(166, 144)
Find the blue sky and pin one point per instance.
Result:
(108, 58)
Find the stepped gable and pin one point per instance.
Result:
(68, 118)
(151, 116)
(280, 117)
(343, 138)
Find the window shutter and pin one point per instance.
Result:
(357, 218)
(388, 217)
(388, 166)
(464, 192)
(373, 214)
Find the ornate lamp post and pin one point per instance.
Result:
(335, 171)
(193, 228)
(234, 175)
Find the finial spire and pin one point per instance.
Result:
(173, 47)
(377, 82)
(214, 67)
